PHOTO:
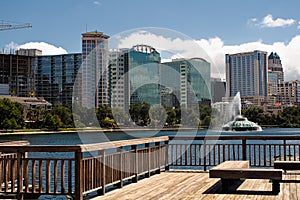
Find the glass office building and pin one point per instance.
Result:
(134, 76)
(143, 75)
(55, 76)
(94, 70)
(188, 80)
(247, 73)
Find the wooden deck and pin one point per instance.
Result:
(198, 185)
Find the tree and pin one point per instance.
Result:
(189, 118)
(157, 116)
(65, 114)
(52, 122)
(171, 117)
(9, 124)
(11, 111)
(253, 113)
(120, 116)
(140, 113)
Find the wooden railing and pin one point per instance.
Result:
(31, 171)
(81, 169)
(209, 151)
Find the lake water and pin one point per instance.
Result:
(95, 137)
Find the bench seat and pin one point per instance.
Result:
(287, 165)
(231, 171)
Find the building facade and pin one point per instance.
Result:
(94, 70)
(144, 75)
(289, 93)
(55, 76)
(218, 89)
(275, 66)
(247, 73)
(118, 77)
(189, 80)
(17, 75)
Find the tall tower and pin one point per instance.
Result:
(247, 73)
(274, 65)
(94, 78)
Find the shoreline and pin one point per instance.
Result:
(91, 130)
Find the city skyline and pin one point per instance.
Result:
(218, 27)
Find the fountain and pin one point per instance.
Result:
(237, 121)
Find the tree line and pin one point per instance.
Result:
(62, 117)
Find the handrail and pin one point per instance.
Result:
(79, 172)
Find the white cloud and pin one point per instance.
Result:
(269, 22)
(253, 19)
(97, 3)
(214, 50)
(298, 25)
(47, 49)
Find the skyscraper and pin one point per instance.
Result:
(134, 76)
(189, 79)
(247, 73)
(118, 87)
(143, 73)
(274, 65)
(55, 76)
(94, 73)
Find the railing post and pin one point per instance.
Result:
(147, 145)
(78, 176)
(158, 157)
(121, 167)
(167, 167)
(284, 150)
(244, 149)
(103, 174)
(20, 195)
(136, 164)
(204, 153)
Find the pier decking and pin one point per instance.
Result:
(144, 168)
(198, 185)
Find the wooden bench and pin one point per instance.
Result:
(287, 165)
(232, 171)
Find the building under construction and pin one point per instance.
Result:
(17, 74)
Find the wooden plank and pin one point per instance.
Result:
(274, 174)
(287, 165)
(232, 165)
(122, 143)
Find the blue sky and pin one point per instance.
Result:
(233, 22)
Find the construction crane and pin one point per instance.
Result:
(10, 25)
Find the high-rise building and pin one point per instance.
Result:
(188, 79)
(247, 73)
(29, 52)
(218, 89)
(55, 76)
(134, 76)
(143, 75)
(17, 75)
(118, 87)
(275, 66)
(289, 93)
(94, 70)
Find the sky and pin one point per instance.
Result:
(217, 26)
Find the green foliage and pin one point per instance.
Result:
(9, 124)
(11, 114)
(140, 113)
(52, 122)
(157, 115)
(289, 117)
(65, 115)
